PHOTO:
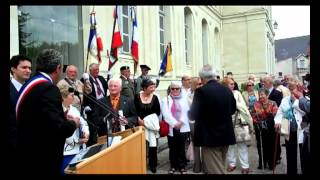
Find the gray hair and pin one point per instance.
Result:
(176, 84)
(93, 64)
(48, 60)
(207, 72)
(115, 79)
(263, 90)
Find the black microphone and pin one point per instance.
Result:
(72, 90)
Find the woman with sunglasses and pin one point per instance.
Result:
(77, 141)
(175, 109)
(250, 95)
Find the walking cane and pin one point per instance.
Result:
(275, 150)
(261, 148)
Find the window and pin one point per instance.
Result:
(188, 35)
(162, 27)
(57, 27)
(205, 41)
(280, 74)
(126, 27)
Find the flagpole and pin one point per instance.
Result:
(86, 70)
(114, 26)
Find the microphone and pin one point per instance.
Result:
(72, 90)
(85, 77)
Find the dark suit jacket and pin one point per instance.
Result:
(129, 110)
(12, 130)
(42, 130)
(212, 107)
(88, 102)
(276, 96)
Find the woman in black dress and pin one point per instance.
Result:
(147, 103)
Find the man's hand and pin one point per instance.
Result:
(123, 120)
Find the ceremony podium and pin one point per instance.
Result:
(126, 157)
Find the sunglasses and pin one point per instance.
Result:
(199, 84)
(175, 89)
(249, 85)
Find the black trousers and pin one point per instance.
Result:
(177, 152)
(268, 144)
(292, 153)
(153, 158)
(305, 157)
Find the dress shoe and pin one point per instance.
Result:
(231, 168)
(153, 170)
(245, 171)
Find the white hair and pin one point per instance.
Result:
(175, 84)
(207, 72)
(115, 79)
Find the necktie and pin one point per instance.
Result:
(115, 102)
(99, 91)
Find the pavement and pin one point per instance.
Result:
(164, 164)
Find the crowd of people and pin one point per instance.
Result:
(58, 117)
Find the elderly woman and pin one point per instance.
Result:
(147, 105)
(242, 116)
(80, 136)
(263, 113)
(250, 95)
(175, 109)
(289, 109)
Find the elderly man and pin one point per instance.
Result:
(186, 85)
(42, 126)
(122, 105)
(127, 84)
(144, 75)
(212, 107)
(97, 126)
(72, 81)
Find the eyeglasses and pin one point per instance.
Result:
(175, 89)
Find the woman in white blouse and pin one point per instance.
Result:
(77, 141)
(175, 108)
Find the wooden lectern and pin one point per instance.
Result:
(126, 157)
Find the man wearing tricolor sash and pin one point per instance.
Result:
(41, 124)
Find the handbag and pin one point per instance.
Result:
(164, 128)
(241, 131)
(285, 127)
(190, 152)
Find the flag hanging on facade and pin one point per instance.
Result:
(135, 39)
(166, 65)
(116, 41)
(95, 42)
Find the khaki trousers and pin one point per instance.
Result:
(214, 159)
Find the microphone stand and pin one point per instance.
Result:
(105, 107)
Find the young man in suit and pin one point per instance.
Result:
(119, 102)
(20, 71)
(42, 126)
(212, 107)
(97, 126)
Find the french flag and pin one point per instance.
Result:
(95, 42)
(116, 41)
(135, 37)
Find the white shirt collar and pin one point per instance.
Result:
(16, 84)
(46, 75)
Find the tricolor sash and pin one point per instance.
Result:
(26, 88)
